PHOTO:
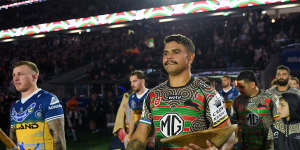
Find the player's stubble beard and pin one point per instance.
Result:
(173, 71)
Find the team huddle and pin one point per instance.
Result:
(267, 119)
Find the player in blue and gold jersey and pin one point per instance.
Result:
(37, 118)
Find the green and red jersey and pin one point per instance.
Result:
(181, 110)
(254, 116)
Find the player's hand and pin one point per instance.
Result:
(196, 147)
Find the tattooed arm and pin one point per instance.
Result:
(57, 130)
(139, 138)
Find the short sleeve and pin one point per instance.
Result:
(217, 112)
(146, 117)
(53, 108)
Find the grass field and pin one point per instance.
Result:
(87, 141)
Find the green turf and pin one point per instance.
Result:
(88, 141)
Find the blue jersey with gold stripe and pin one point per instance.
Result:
(30, 120)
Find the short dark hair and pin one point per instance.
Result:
(30, 64)
(140, 74)
(226, 76)
(247, 76)
(296, 79)
(283, 67)
(181, 39)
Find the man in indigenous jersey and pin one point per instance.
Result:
(253, 112)
(37, 119)
(136, 99)
(229, 93)
(182, 104)
(282, 77)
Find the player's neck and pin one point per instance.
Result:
(227, 88)
(141, 91)
(28, 92)
(180, 79)
(282, 88)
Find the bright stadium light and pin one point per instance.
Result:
(8, 40)
(264, 12)
(75, 31)
(285, 6)
(222, 13)
(118, 26)
(39, 36)
(167, 19)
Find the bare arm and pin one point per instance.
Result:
(139, 138)
(57, 130)
(131, 124)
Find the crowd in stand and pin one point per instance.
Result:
(114, 53)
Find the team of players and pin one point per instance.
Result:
(180, 105)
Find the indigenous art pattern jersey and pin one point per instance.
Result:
(180, 110)
(136, 104)
(30, 120)
(275, 94)
(254, 116)
(286, 136)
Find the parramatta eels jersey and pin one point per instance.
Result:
(254, 116)
(136, 104)
(181, 110)
(30, 120)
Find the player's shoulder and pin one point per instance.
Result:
(294, 90)
(198, 82)
(46, 97)
(159, 87)
(270, 91)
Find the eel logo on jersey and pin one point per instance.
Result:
(252, 119)
(171, 124)
(20, 117)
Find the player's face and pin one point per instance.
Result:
(244, 87)
(136, 83)
(283, 109)
(282, 76)
(294, 84)
(24, 78)
(225, 82)
(176, 58)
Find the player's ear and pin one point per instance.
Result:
(253, 84)
(35, 76)
(191, 57)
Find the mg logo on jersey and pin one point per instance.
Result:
(252, 119)
(171, 124)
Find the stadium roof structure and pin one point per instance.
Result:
(120, 19)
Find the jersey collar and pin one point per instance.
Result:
(23, 100)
